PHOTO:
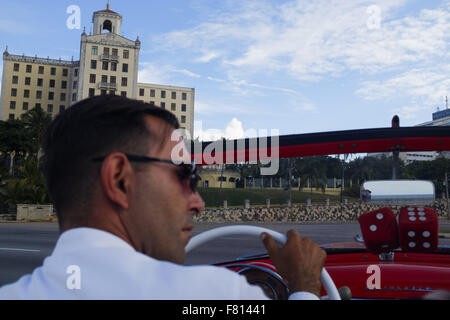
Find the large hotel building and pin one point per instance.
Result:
(108, 65)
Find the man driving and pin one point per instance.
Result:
(125, 210)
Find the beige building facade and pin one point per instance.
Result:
(109, 64)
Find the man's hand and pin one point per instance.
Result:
(299, 261)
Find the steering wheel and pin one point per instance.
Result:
(209, 235)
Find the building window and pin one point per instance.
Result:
(75, 84)
(94, 51)
(75, 73)
(123, 93)
(163, 94)
(115, 52)
(52, 83)
(13, 92)
(15, 80)
(163, 105)
(141, 92)
(11, 116)
(74, 96)
(183, 119)
(106, 51)
(104, 79)
(183, 107)
(93, 64)
(152, 92)
(91, 92)
(27, 81)
(62, 108)
(63, 84)
(105, 65)
(152, 103)
(38, 94)
(53, 71)
(103, 92)
(29, 68)
(12, 105)
(112, 79)
(41, 70)
(25, 106)
(51, 95)
(92, 78)
(113, 66)
(65, 72)
(174, 95)
(26, 93)
(16, 67)
(183, 96)
(50, 108)
(62, 97)
(125, 67)
(124, 81)
(112, 92)
(40, 82)
(126, 54)
(37, 105)
(173, 107)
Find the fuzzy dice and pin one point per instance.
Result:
(379, 230)
(418, 229)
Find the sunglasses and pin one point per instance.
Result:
(187, 172)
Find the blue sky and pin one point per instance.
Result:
(295, 66)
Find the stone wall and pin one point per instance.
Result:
(313, 213)
(33, 212)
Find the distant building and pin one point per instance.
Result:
(439, 118)
(108, 65)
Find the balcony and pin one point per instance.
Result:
(108, 57)
(107, 85)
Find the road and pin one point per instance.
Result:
(24, 246)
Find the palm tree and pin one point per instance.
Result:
(14, 140)
(36, 122)
(311, 169)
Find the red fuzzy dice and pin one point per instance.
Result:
(418, 229)
(379, 230)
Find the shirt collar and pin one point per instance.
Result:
(84, 237)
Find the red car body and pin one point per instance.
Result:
(407, 276)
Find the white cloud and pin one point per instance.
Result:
(208, 108)
(311, 39)
(161, 74)
(425, 85)
(233, 130)
(187, 73)
(207, 56)
(152, 73)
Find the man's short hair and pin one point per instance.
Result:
(94, 127)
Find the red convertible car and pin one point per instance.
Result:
(397, 255)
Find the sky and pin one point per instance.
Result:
(293, 66)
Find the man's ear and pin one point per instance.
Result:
(116, 177)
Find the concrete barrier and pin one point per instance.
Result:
(32, 212)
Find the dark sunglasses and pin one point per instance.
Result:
(188, 171)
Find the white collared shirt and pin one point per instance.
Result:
(93, 264)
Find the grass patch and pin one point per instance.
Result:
(235, 197)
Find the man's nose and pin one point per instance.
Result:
(197, 203)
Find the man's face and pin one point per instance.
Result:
(164, 205)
